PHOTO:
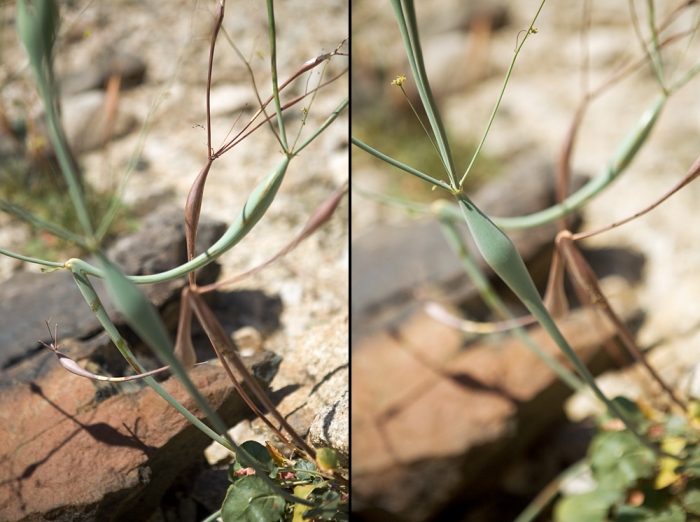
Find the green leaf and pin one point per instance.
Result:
(588, 507)
(327, 509)
(304, 464)
(251, 500)
(302, 491)
(327, 459)
(37, 26)
(691, 497)
(628, 513)
(505, 260)
(259, 453)
(618, 460)
(672, 513)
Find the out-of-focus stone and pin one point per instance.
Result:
(429, 417)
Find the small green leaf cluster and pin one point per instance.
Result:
(632, 482)
(249, 498)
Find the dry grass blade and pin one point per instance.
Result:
(221, 342)
(193, 208)
(438, 312)
(555, 296)
(692, 173)
(184, 350)
(585, 278)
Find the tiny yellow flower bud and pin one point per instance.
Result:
(399, 81)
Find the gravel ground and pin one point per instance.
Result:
(172, 38)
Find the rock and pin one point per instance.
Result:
(248, 340)
(96, 74)
(67, 456)
(330, 429)
(391, 261)
(88, 123)
(431, 419)
(31, 298)
(230, 99)
(312, 382)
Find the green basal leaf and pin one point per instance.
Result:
(250, 499)
(588, 507)
(327, 459)
(691, 497)
(37, 26)
(672, 513)
(304, 464)
(618, 459)
(327, 509)
(259, 453)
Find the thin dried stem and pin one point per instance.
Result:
(220, 341)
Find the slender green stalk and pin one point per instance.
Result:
(144, 319)
(654, 56)
(258, 202)
(530, 30)
(90, 295)
(323, 126)
(409, 32)
(411, 206)
(116, 202)
(481, 282)
(37, 26)
(549, 493)
(213, 516)
(41, 223)
(502, 256)
(399, 82)
(656, 48)
(34, 260)
(623, 156)
(273, 66)
(399, 165)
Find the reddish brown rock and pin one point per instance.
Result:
(430, 419)
(65, 455)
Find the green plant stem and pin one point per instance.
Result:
(623, 156)
(34, 260)
(487, 293)
(500, 96)
(549, 493)
(502, 256)
(406, 18)
(256, 206)
(399, 165)
(213, 516)
(323, 126)
(90, 295)
(41, 223)
(144, 319)
(273, 67)
(427, 133)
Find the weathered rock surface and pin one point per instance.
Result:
(311, 393)
(66, 456)
(431, 419)
(390, 261)
(29, 299)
